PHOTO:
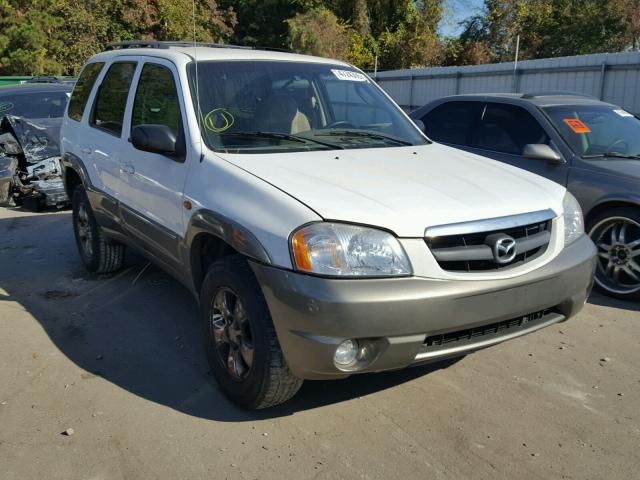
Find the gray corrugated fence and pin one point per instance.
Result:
(612, 77)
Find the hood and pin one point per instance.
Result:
(403, 189)
(36, 139)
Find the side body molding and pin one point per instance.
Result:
(114, 219)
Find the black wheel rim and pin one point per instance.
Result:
(83, 227)
(618, 242)
(230, 332)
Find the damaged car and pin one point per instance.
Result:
(29, 145)
(30, 163)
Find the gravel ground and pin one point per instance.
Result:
(104, 378)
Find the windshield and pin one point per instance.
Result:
(594, 131)
(267, 106)
(34, 104)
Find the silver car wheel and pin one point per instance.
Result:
(618, 242)
(85, 235)
(231, 333)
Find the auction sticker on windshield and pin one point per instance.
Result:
(350, 76)
(578, 126)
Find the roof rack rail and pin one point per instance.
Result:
(556, 94)
(274, 49)
(166, 44)
(135, 44)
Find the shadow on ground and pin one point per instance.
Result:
(137, 328)
(604, 301)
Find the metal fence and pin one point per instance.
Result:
(612, 77)
(12, 80)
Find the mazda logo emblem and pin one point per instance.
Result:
(505, 249)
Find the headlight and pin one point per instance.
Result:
(339, 249)
(573, 220)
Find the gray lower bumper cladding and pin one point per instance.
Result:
(406, 321)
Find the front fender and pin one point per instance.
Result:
(69, 161)
(230, 231)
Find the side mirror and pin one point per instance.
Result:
(154, 138)
(542, 151)
(419, 124)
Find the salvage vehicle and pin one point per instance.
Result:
(589, 146)
(322, 233)
(30, 171)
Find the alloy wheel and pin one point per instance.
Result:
(618, 242)
(231, 333)
(85, 235)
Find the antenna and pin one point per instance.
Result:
(195, 59)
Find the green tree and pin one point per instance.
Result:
(27, 31)
(52, 37)
(319, 32)
(414, 41)
(547, 28)
(263, 22)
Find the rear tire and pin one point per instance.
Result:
(240, 339)
(98, 254)
(616, 233)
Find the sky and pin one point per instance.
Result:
(455, 12)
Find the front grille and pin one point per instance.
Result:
(473, 252)
(478, 334)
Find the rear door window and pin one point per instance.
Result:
(507, 129)
(453, 122)
(82, 90)
(111, 100)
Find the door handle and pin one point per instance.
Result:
(127, 168)
(85, 150)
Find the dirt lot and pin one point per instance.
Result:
(118, 359)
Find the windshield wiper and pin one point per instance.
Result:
(282, 136)
(614, 155)
(363, 133)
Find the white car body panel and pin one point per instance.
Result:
(407, 189)
(271, 215)
(404, 189)
(401, 189)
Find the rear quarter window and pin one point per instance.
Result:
(453, 122)
(83, 87)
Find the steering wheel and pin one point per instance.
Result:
(616, 142)
(341, 123)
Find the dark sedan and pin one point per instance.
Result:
(591, 147)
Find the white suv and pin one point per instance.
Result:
(321, 231)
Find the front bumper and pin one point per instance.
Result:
(405, 321)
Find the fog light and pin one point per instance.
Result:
(346, 353)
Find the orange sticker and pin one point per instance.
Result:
(576, 125)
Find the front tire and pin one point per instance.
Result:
(98, 254)
(616, 233)
(240, 340)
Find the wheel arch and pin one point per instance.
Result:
(212, 236)
(73, 173)
(610, 204)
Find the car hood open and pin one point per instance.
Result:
(404, 189)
